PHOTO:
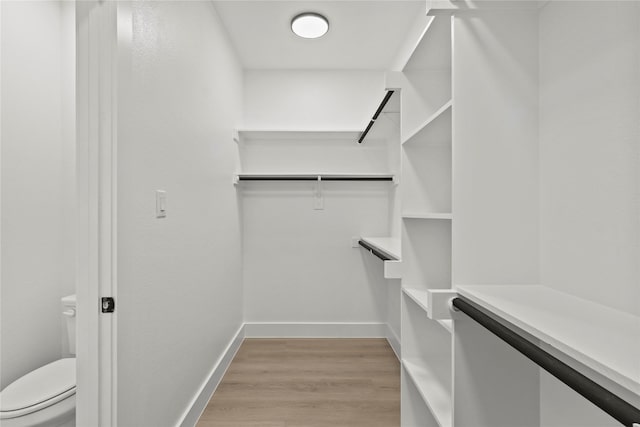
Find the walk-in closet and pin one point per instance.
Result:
(381, 213)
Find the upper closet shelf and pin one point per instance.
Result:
(292, 134)
(428, 215)
(439, 123)
(387, 245)
(599, 337)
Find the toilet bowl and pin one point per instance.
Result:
(45, 397)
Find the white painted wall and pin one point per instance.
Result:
(590, 150)
(179, 278)
(495, 148)
(589, 169)
(299, 265)
(298, 262)
(38, 183)
(306, 99)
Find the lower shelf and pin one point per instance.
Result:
(436, 395)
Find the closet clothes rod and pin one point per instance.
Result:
(610, 403)
(376, 252)
(312, 178)
(375, 115)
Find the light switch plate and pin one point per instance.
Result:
(161, 204)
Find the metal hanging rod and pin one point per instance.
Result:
(375, 115)
(610, 403)
(375, 251)
(312, 178)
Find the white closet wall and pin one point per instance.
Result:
(590, 151)
(590, 170)
(179, 278)
(302, 277)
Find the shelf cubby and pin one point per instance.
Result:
(426, 251)
(426, 360)
(427, 76)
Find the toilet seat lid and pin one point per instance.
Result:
(40, 388)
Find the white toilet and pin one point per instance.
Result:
(46, 396)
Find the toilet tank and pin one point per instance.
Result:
(69, 312)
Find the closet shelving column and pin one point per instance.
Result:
(426, 172)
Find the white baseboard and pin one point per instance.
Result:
(200, 400)
(394, 341)
(314, 330)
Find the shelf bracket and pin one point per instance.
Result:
(318, 199)
(438, 303)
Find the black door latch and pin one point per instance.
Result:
(108, 304)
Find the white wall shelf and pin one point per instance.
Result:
(428, 215)
(439, 122)
(389, 245)
(435, 394)
(296, 134)
(594, 335)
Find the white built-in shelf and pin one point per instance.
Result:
(297, 134)
(428, 215)
(442, 117)
(389, 245)
(599, 337)
(436, 395)
(421, 298)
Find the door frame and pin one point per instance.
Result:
(96, 154)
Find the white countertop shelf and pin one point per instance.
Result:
(428, 215)
(599, 337)
(435, 395)
(389, 245)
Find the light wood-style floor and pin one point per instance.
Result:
(308, 383)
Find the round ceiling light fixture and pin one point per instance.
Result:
(309, 25)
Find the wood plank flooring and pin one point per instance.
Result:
(308, 383)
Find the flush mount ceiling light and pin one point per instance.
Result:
(309, 25)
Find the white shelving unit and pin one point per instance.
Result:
(426, 153)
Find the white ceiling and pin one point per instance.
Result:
(363, 34)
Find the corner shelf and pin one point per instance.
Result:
(591, 334)
(435, 394)
(442, 118)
